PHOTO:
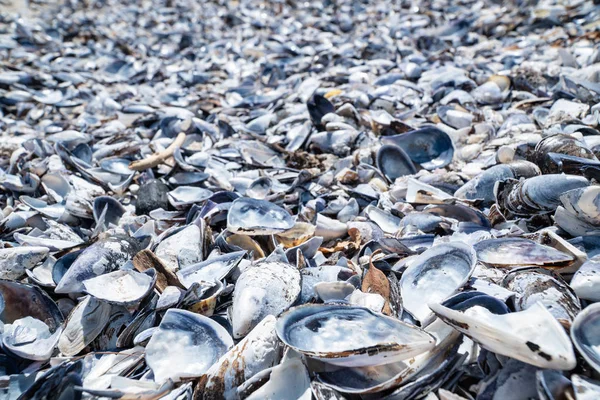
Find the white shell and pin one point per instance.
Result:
(15, 260)
(585, 388)
(187, 240)
(185, 345)
(30, 338)
(288, 381)
(266, 288)
(210, 271)
(256, 352)
(532, 336)
(257, 217)
(350, 336)
(435, 275)
(361, 380)
(586, 280)
(186, 195)
(585, 334)
(121, 287)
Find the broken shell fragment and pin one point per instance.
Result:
(532, 336)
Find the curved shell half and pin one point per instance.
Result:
(257, 217)
(585, 332)
(435, 275)
(350, 336)
(185, 345)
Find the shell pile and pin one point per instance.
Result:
(292, 199)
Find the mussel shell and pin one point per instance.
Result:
(509, 252)
(20, 300)
(16, 261)
(257, 217)
(350, 336)
(586, 280)
(552, 385)
(266, 288)
(585, 333)
(429, 147)
(381, 378)
(209, 271)
(114, 210)
(532, 336)
(183, 196)
(454, 116)
(121, 287)
(544, 191)
(242, 361)
(436, 274)
(393, 162)
(465, 300)
(585, 388)
(317, 107)
(459, 212)
(482, 186)
(535, 195)
(182, 245)
(557, 163)
(83, 325)
(101, 257)
(18, 339)
(185, 345)
(536, 284)
(562, 144)
(583, 203)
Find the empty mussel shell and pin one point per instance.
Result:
(436, 274)
(584, 333)
(85, 322)
(185, 345)
(121, 287)
(393, 162)
(429, 147)
(586, 280)
(257, 217)
(511, 252)
(266, 288)
(350, 336)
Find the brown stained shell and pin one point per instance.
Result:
(502, 81)
(21, 300)
(375, 281)
(242, 362)
(300, 233)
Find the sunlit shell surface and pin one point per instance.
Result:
(350, 336)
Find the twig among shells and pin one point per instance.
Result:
(157, 158)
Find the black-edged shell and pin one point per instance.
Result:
(585, 333)
(393, 162)
(350, 336)
(429, 147)
(532, 336)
